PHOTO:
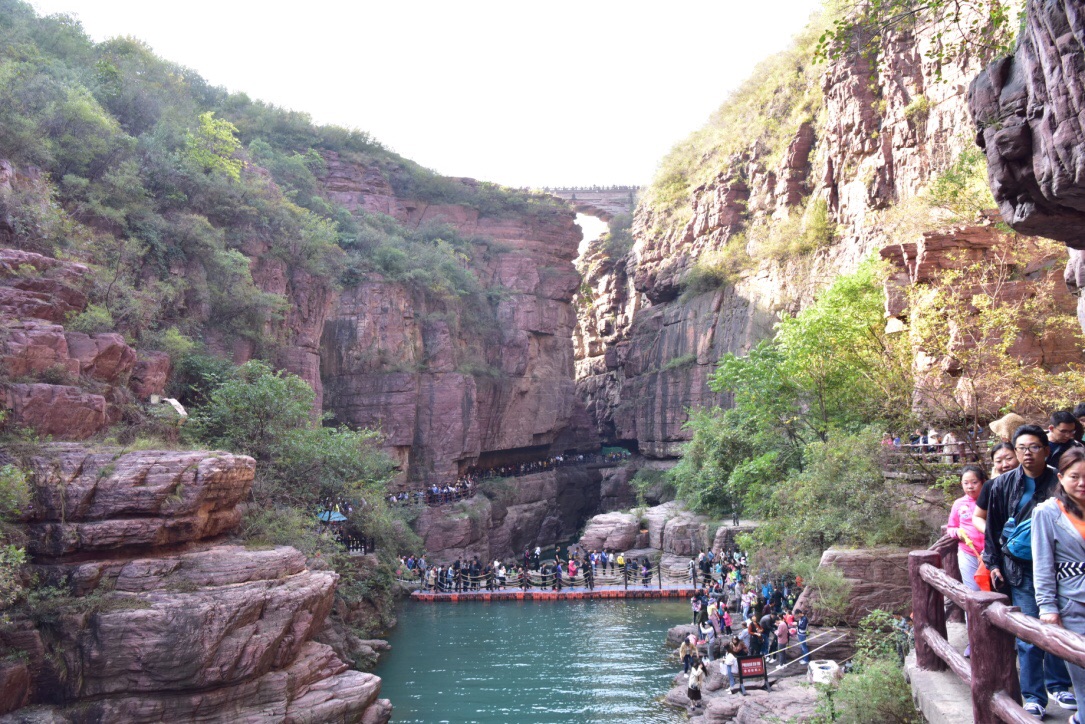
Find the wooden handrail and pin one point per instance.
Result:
(1057, 640)
(947, 653)
(951, 589)
(992, 627)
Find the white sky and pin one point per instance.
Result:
(521, 93)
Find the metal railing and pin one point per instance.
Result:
(993, 626)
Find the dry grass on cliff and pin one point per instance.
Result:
(759, 118)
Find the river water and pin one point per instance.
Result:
(533, 662)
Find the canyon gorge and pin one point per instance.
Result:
(521, 342)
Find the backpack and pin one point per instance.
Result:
(1017, 537)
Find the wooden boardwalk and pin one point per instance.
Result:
(566, 594)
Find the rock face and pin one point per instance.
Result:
(644, 353)
(165, 624)
(1026, 110)
(538, 509)
(447, 393)
(69, 385)
(878, 578)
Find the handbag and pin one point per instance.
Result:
(983, 575)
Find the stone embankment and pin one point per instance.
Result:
(152, 617)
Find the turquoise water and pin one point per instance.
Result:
(538, 662)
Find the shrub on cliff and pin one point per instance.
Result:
(269, 415)
(875, 690)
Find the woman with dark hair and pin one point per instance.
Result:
(1058, 555)
(1003, 460)
(960, 525)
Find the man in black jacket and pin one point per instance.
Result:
(1015, 494)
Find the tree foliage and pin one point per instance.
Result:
(957, 28)
(796, 449)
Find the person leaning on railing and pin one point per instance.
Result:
(1058, 553)
(1007, 552)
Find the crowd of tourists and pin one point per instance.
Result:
(1021, 531)
(738, 614)
(578, 569)
(466, 485)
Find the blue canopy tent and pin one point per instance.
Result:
(331, 516)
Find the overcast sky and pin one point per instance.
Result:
(522, 93)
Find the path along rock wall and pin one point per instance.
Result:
(644, 353)
(165, 622)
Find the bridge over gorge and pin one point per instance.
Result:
(602, 202)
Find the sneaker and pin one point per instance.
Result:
(1075, 720)
(968, 651)
(1066, 699)
(1035, 709)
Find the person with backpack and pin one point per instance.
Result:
(1058, 554)
(1007, 551)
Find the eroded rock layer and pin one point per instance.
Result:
(165, 623)
(645, 344)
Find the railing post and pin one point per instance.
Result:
(994, 658)
(952, 567)
(928, 609)
(659, 570)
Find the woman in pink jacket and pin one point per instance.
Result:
(961, 526)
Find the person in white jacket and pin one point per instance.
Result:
(1058, 555)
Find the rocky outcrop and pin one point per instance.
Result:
(645, 350)
(165, 622)
(537, 509)
(64, 384)
(1026, 110)
(877, 579)
(446, 386)
(1027, 113)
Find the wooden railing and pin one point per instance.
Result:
(992, 627)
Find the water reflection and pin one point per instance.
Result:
(532, 662)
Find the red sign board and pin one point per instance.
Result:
(752, 666)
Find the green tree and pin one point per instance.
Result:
(213, 146)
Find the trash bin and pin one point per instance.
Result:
(823, 671)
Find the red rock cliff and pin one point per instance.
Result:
(166, 623)
(644, 352)
(444, 392)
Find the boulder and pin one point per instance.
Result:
(104, 357)
(150, 374)
(14, 685)
(101, 501)
(31, 348)
(56, 410)
(616, 531)
(878, 579)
